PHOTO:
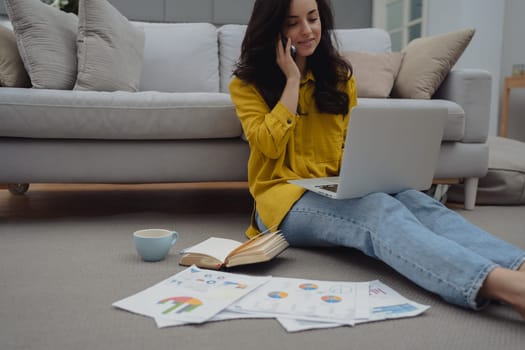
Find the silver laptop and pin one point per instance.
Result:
(388, 149)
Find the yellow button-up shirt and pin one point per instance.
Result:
(285, 146)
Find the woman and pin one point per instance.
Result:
(294, 112)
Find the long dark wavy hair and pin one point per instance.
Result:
(257, 64)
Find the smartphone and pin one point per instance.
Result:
(292, 48)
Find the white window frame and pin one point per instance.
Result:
(379, 16)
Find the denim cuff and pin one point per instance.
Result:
(517, 263)
(474, 301)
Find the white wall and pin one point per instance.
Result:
(514, 53)
(486, 47)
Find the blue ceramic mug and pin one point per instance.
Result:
(154, 244)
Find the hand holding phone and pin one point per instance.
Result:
(286, 59)
(293, 50)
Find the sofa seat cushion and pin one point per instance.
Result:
(43, 113)
(462, 160)
(455, 126)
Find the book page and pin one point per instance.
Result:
(218, 248)
(265, 248)
(258, 243)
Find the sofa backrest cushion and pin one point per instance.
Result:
(363, 39)
(231, 36)
(180, 57)
(230, 40)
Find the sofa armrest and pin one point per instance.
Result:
(471, 89)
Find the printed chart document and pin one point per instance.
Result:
(313, 300)
(224, 315)
(197, 295)
(191, 296)
(384, 302)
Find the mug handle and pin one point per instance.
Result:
(175, 237)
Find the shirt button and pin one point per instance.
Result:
(289, 121)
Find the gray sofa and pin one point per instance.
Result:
(181, 126)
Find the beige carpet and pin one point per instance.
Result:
(66, 254)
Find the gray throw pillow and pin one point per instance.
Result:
(110, 49)
(12, 71)
(46, 40)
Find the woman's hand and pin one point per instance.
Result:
(285, 60)
(290, 95)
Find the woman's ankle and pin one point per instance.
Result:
(507, 286)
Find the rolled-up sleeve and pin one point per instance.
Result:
(266, 130)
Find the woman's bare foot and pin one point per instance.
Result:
(507, 286)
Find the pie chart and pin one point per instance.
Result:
(332, 299)
(277, 295)
(308, 286)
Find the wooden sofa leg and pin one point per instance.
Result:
(471, 190)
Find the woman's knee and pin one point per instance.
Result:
(380, 202)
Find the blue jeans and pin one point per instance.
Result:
(416, 235)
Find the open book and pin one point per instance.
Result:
(215, 253)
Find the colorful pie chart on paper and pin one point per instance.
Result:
(278, 295)
(308, 286)
(331, 299)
